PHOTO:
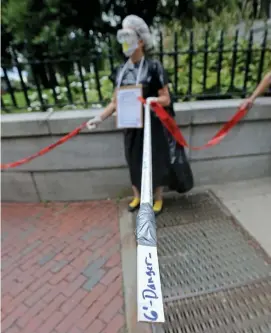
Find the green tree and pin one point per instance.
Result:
(36, 27)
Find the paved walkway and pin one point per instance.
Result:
(61, 268)
(61, 262)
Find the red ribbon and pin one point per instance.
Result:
(165, 118)
(44, 150)
(175, 131)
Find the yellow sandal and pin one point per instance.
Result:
(158, 207)
(134, 204)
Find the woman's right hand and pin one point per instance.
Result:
(94, 122)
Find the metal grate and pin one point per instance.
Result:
(198, 207)
(215, 278)
(245, 309)
(205, 257)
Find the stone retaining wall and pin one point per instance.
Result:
(92, 165)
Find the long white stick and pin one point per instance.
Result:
(146, 180)
(149, 295)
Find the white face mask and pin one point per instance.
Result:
(129, 49)
(129, 40)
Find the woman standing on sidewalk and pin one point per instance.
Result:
(136, 39)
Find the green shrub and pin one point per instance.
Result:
(213, 64)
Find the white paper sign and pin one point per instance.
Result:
(149, 295)
(129, 108)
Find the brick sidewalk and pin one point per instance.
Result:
(61, 268)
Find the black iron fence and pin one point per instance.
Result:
(205, 67)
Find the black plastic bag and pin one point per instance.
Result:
(180, 176)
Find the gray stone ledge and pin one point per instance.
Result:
(224, 170)
(201, 112)
(82, 184)
(18, 187)
(91, 151)
(24, 124)
(221, 111)
(77, 185)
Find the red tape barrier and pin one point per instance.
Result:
(165, 118)
(175, 131)
(44, 150)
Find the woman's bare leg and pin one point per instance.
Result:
(158, 200)
(135, 192)
(158, 194)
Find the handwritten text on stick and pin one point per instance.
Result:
(150, 300)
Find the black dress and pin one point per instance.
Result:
(153, 78)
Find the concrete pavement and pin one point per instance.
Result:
(250, 203)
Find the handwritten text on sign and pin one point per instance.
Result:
(149, 295)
